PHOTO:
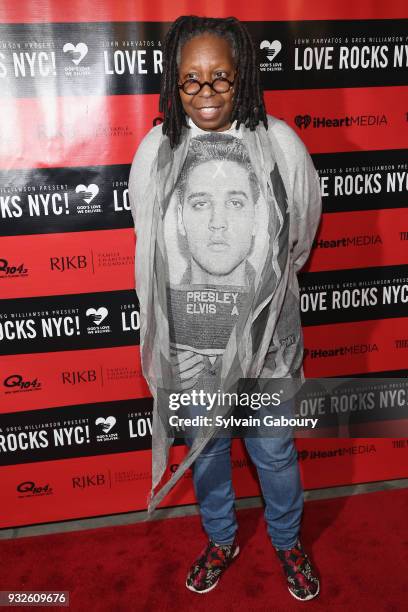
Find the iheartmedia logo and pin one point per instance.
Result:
(337, 452)
(353, 349)
(347, 241)
(304, 121)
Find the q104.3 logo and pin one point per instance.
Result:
(29, 488)
(269, 51)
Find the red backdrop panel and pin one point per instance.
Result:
(75, 101)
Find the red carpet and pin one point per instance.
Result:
(359, 545)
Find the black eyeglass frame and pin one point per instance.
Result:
(211, 85)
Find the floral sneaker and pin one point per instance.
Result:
(206, 571)
(303, 583)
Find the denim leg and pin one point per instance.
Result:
(212, 477)
(277, 465)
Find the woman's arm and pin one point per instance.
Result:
(140, 174)
(141, 206)
(307, 205)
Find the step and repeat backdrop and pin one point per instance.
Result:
(79, 87)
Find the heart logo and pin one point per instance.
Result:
(99, 315)
(107, 423)
(303, 121)
(77, 52)
(272, 48)
(91, 191)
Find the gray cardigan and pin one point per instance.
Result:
(290, 182)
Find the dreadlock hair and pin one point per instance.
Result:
(248, 105)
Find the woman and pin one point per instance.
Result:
(226, 203)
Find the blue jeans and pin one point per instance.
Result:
(276, 462)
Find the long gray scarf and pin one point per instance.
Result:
(246, 349)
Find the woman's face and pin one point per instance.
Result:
(206, 57)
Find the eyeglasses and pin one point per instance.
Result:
(191, 87)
